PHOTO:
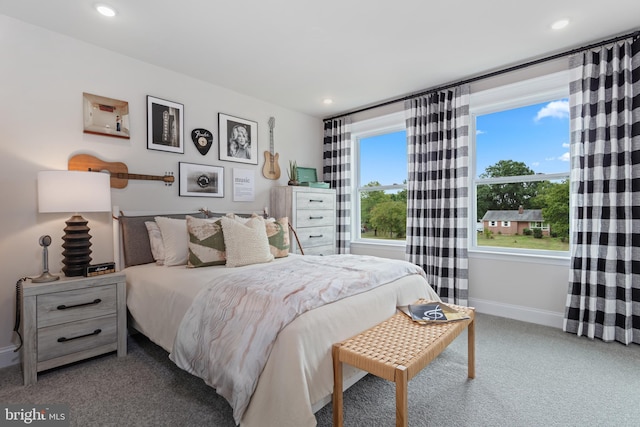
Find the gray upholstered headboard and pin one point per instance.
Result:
(136, 249)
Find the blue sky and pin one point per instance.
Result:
(537, 135)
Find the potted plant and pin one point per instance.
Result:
(293, 173)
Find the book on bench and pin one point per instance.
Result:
(432, 312)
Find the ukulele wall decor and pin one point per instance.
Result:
(119, 172)
(271, 169)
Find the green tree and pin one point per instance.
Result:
(390, 217)
(506, 196)
(555, 199)
(369, 200)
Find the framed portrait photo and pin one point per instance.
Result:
(201, 180)
(165, 125)
(238, 139)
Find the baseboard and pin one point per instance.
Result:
(8, 357)
(518, 312)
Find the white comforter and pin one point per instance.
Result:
(297, 377)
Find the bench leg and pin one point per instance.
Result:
(402, 406)
(471, 348)
(337, 386)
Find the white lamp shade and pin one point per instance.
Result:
(74, 191)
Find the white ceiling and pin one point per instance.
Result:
(295, 53)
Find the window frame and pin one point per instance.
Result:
(546, 88)
(389, 123)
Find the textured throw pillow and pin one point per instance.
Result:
(278, 235)
(246, 243)
(155, 241)
(175, 239)
(206, 242)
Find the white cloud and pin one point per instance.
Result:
(565, 145)
(557, 109)
(565, 157)
(535, 164)
(480, 132)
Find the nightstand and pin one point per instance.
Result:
(72, 319)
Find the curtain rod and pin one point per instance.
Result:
(634, 34)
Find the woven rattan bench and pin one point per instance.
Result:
(397, 350)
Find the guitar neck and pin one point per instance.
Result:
(142, 177)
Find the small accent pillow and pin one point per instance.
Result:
(206, 242)
(155, 241)
(175, 239)
(278, 235)
(246, 243)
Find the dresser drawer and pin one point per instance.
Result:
(69, 306)
(61, 340)
(314, 201)
(320, 250)
(314, 218)
(318, 236)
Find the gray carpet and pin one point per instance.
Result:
(526, 375)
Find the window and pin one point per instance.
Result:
(380, 169)
(520, 183)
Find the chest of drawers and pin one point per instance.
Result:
(312, 213)
(70, 320)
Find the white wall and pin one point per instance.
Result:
(43, 76)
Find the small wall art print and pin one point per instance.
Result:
(165, 125)
(105, 116)
(201, 180)
(238, 139)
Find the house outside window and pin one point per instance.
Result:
(520, 167)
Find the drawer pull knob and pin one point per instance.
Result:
(317, 201)
(319, 235)
(316, 217)
(64, 339)
(66, 307)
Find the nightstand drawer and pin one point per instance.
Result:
(69, 306)
(69, 338)
(320, 250)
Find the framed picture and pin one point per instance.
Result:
(238, 139)
(165, 125)
(105, 116)
(201, 180)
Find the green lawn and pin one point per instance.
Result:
(501, 241)
(523, 242)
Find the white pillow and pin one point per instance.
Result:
(175, 238)
(155, 241)
(246, 243)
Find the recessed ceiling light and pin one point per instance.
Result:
(560, 24)
(327, 101)
(105, 10)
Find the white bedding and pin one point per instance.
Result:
(298, 375)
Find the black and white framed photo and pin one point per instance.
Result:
(201, 180)
(238, 139)
(165, 125)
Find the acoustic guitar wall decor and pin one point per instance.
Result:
(271, 169)
(120, 175)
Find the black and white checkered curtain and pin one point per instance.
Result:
(604, 284)
(337, 171)
(437, 190)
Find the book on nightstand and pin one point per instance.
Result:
(432, 312)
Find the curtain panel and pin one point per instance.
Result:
(336, 171)
(604, 285)
(437, 189)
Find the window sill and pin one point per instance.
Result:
(543, 258)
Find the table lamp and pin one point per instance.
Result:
(75, 192)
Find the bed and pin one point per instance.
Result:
(296, 378)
